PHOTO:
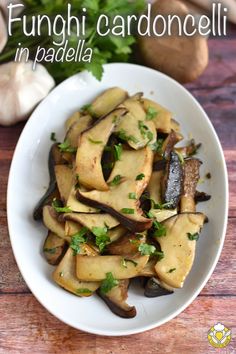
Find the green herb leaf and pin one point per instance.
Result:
(102, 238)
(65, 147)
(116, 180)
(193, 237)
(83, 291)
(124, 262)
(127, 211)
(159, 229)
(56, 204)
(157, 146)
(146, 250)
(77, 184)
(140, 177)
(108, 283)
(132, 196)
(118, 151)
(53, 137)
(171, 270)
(77, 239)
(181, 158)
(151, 113)
(123, 136)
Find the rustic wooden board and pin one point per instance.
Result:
(26, 327)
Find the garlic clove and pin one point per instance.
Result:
(3, 32)
(21, 89)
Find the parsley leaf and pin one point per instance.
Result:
(193, 237)
(157, 146)
(159, 229)
(124, 262)
(140, 177)
(56, 204)
(171, 270)
(108, 283)
(146, 250)
(102, 237)
(123, 136)
(132, 196)
(83, 291)
(116, 180)
(118, 151)
(151, 113)
(77, 239)
(65, 147)
(127, 211)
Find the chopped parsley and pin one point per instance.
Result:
(87, 108)
(56, 204)
(157, 146)
(78, 239)
(53, 136)
(140, 177)
(146, 250)
(127, 211)
(102, 237)
(123, 136)
(83, 291)
(193, 237)
(94, 141)
(77, 184)
(124, 262)
(132, 196)
(117, 151)
(159, 229)
(181, 158)
(116, 180)
(108, 283)
(151, 113)
(66, 147)
(171, 270)
(144, 130)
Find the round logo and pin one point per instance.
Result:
(219, 336)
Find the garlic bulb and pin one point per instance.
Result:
(16, 11)
(21, 89)
(3, 32)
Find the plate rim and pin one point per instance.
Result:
(141, 329)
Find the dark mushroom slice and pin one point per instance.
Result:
(54, 248)
(172, 139)
(155, 288)
(178, 246)
(159, 165)
(72, 135)
(191, 177)
(127, 182)
(55, 158)
(64, 275)
(116, 300)
(172, 183)
(106, 102)
(201, 197)
(90, 150)
(108, 157)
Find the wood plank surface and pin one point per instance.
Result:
(26, 327)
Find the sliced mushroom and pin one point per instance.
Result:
(126, 245)
(64, 179)
(95, 268)
(107, 102)
(155, 288)
(173, 181)
(72, 136)
(116, 233)
(134, 171)
(162, 118)
(191, 177)
(71, 228)
(50, 220)
(138, 131)
(90, 150)
(172, 139)
(92, 220)
(55, 157)
(72, 119)
(65, 276)
(116, 300)
(54, 248)
(188, 150)
(149, 269)
(77, 206)
(178, 247)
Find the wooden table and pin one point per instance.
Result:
(26, 327)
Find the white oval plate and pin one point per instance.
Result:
(29, 178)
